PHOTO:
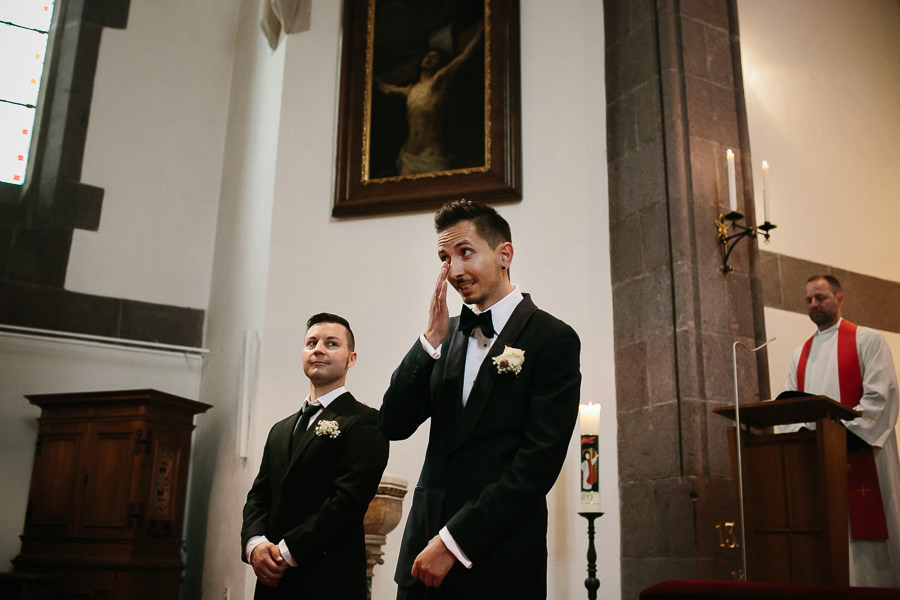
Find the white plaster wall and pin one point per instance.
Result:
(822, 81)
(379, 272)
(48, 367)
(155, 144)
(236, 305)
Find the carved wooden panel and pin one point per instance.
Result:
(55, 470)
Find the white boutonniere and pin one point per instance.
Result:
(329, 428)
(510, 361)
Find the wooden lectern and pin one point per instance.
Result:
(795, 490)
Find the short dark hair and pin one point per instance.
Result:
(833, 282)
(324, 317)
(488, 223)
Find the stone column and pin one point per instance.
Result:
(675, 104)
(381, 518)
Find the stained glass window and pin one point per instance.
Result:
(24, 27)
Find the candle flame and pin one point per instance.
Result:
(589, 409)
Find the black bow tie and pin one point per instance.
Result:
(468, 321)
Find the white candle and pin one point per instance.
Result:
(590, 417)
(765, 173)
(732, 187)
(589, 458)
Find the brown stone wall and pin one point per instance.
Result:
(868, 300)
(673, 109)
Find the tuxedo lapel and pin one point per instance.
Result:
(287, 433)
(456, 353)
(450, 400)
(281, 443)
(487, 372)
(330, 413)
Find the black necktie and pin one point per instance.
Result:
(468, 321)
(306, 414)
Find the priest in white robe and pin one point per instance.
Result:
(814, 370)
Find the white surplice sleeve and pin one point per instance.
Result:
(880, 401)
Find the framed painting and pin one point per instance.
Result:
(429, 105)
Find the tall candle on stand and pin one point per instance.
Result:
(732, 187)
(589, 480)
(765, 174)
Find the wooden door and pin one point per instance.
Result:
(111, 466)
(54, 498)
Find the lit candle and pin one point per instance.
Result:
(765, 172)
(589, 458)
(732, 187)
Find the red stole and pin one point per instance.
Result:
(867, 520)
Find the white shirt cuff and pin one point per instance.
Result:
(435, 353)
(253, 543)
(282, 547)
(454, 548)
(286, 554)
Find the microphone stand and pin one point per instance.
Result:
(737, 435)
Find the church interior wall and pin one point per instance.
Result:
(155, 144)
(219, 191)
(821, 89)
(236, 311)
(821, 105)
(379, 271)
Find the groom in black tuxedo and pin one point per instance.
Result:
(501, 386)
(303, 520)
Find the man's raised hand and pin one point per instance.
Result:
(438, 314)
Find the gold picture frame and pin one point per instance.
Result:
(429, 105)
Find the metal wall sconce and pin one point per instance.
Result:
(728, 242)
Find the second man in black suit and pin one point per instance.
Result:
(303, 519)
(501, 386)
